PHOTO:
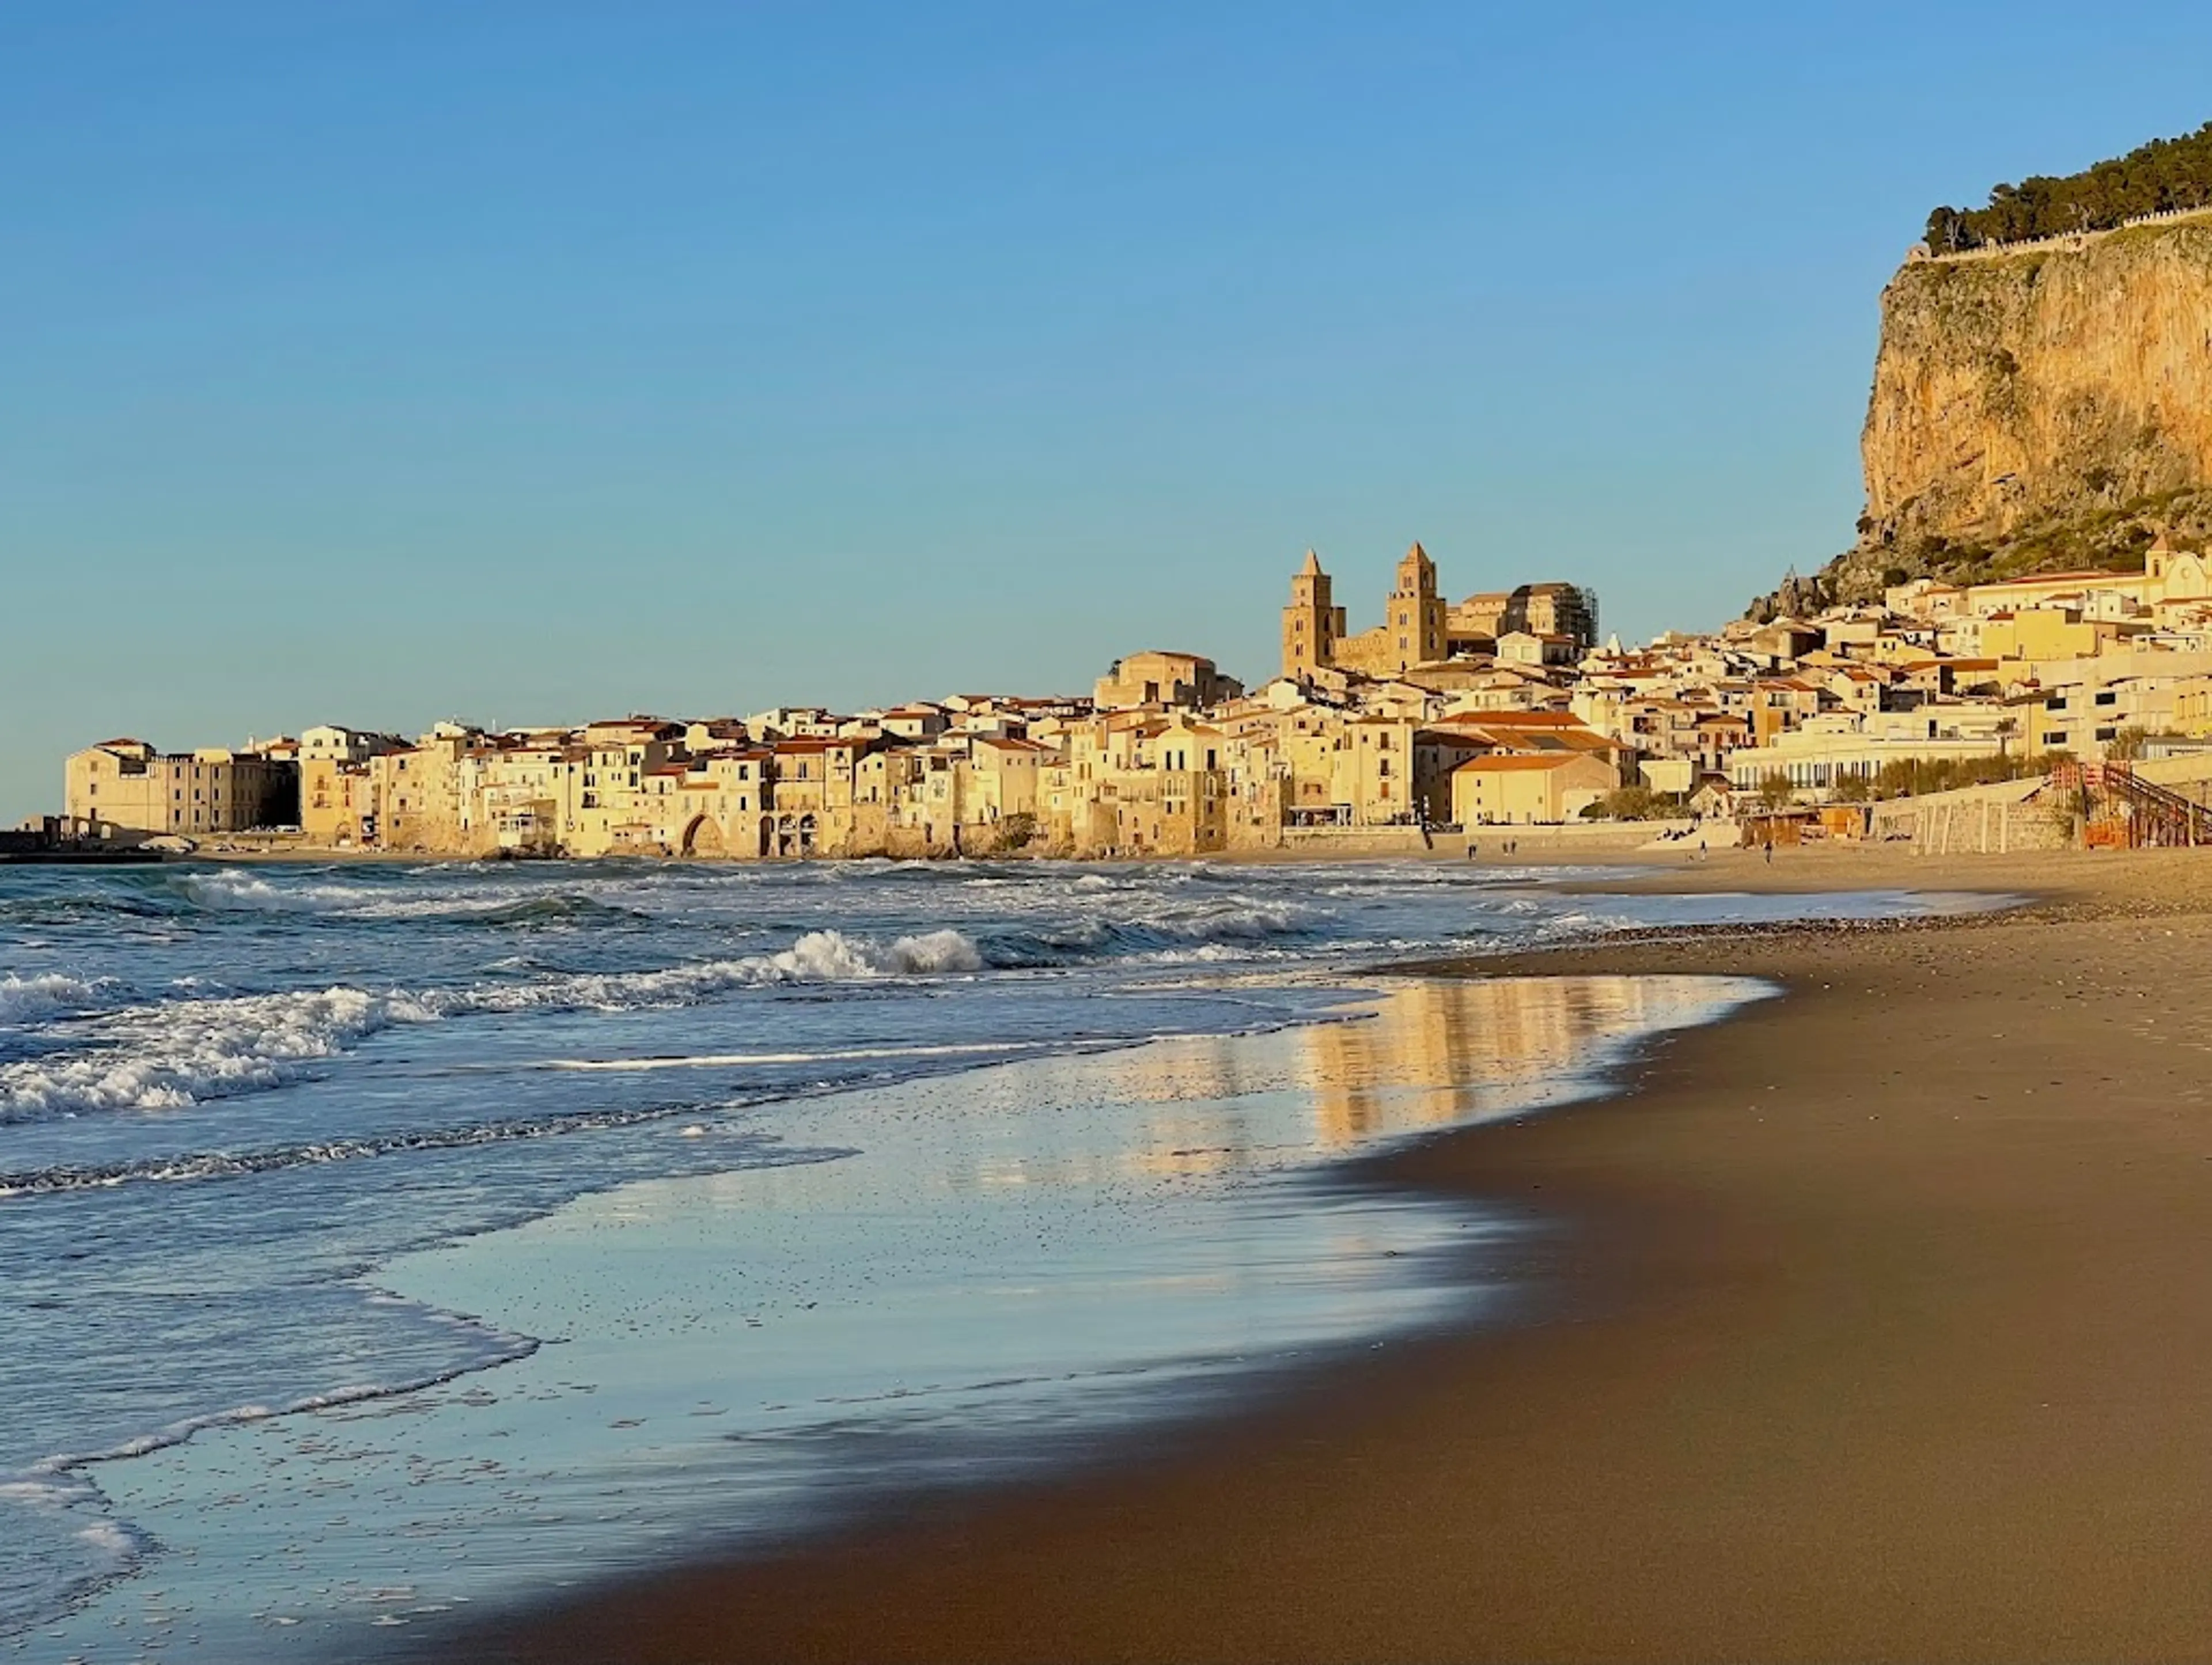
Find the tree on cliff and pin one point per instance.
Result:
(2164, 175)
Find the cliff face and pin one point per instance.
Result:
(2045, 407)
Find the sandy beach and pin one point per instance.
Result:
(1874, 1326)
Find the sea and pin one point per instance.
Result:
(381, 1242)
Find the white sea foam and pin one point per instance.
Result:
(229, 889)
(109, 1539)
(833, 957)
(167, 1056)
(819, 957)
(177, 1054)
(30, 1000)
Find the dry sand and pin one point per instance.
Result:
(1879, 1325)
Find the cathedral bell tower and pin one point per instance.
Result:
(1413, 617)
(1312, 623)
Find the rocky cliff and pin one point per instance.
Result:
(2040, 407)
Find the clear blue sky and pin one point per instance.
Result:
(377, 362)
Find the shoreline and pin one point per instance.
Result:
(1866, 1349)
(1152, 1301)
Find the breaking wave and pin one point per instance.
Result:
(168, 1056)
(818, 957)
(174, 1054)
(177, 1053)
(1212, 929)
(32, 999)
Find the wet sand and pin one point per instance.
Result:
(1877, 1326)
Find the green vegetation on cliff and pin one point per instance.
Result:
(2158, 177)
(2095, 537)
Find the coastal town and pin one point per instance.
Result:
(1106, 834)
(1506, 709)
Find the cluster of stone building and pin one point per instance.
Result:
(2077, 663)
(1502, 710)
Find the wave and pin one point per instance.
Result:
(109, 1549)
(30, 1000)
(179, 1053)
(38, 1580)
(761, 1152)
(169, 1056)
(231, 892)
(173, 1055)
(85, 907)
(817, 957)
(1219, 928)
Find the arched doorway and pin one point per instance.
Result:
(703, 837)
(767, 836)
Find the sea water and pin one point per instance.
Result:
(658, 1202)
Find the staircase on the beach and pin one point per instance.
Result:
(2122, 809)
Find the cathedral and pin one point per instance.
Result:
(1420, 628)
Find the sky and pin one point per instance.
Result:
(525, 363)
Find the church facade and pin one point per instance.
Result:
(1420, 627)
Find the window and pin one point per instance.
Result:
(2105, 733)
(2056, 736)
(2108, 696)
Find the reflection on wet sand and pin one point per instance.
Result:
(1437, 1052)
(1007, 1261)
(1418, 1055)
